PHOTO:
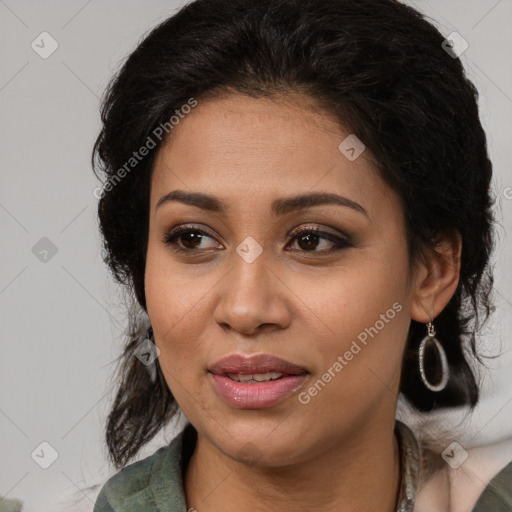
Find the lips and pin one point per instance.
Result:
(256, 395)
(256, 382)
(262, 367)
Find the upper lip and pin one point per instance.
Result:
(249, 365)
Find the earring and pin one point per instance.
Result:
(442, 356)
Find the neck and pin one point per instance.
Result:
(360, 474)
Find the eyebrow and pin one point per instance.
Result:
(280, 206)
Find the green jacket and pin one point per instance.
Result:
(155, 484)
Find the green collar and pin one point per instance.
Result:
(155, 484)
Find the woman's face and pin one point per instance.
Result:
(335, 304)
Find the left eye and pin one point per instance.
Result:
(183, 239)
(309, 239)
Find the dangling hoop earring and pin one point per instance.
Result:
(442, 355)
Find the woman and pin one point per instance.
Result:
(306, 231)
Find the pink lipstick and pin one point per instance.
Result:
(257, 381)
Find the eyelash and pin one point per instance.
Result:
(340, 243)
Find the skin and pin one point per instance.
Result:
(295, 301)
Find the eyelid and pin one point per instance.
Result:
(317, 230)
(169, 236)
(293, 232)
(340, 241)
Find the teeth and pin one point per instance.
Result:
(256, 377)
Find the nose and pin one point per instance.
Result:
(253, 298)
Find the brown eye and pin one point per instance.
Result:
(187, 239)
(191, 239)
(310, 239)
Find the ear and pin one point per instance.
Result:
(436, 277)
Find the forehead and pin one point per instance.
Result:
(255, 149)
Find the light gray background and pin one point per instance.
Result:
(61, 319)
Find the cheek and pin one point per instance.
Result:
(363, 311)
(360, 351)
(170, 304)
(174, 302)
(173, 290)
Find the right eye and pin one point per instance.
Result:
(187, 239)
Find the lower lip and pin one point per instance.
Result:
(256, 395)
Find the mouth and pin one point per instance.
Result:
(256, 377)
(256, 382)
(260, 367)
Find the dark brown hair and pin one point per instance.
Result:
(380, 68)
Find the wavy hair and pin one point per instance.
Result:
(380, 68)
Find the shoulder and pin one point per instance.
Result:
(498, 493)
(134, 485)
